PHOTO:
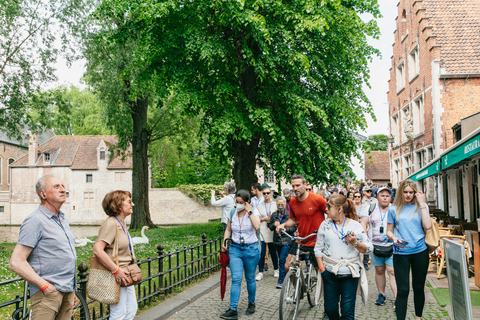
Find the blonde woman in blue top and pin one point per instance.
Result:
(407, 220)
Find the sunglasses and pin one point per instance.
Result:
(368, 191)
(265, 193)
(309, 189)
(356, 196)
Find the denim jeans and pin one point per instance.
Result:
(282, 253)
(243, 258)
(336, 288)
(273, 254)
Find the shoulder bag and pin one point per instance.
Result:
(383, 252)
(432, 237)
(101, 285)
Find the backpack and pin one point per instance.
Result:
(372, 207)
(232, 213)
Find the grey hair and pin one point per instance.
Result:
(281, 198)
(40, 185)
(298, 176)
(230, 187)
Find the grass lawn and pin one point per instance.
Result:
(172, 238)
(443, 297)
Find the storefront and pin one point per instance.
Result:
(454, 176)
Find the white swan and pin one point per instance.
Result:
(143, 238)
(82, 242)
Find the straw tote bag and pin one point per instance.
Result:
(432, 237)
(101, 285)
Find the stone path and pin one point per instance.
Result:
(210, 306)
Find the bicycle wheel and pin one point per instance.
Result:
(312, 278)
(80, 311)
(288, 298)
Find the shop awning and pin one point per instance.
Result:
(462, 152)
(427, 172)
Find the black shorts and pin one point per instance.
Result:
(310, 250)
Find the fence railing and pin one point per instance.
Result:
(161, 274)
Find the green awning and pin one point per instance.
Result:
(463, 151)
(427, 172)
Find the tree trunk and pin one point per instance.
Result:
(141, 211)
(245, 163)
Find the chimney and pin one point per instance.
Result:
(32, 149)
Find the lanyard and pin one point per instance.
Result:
(342, 226)
(126, 233)
(240, 223)
(384, 215)
(267, 212)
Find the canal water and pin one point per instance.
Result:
(10, 233)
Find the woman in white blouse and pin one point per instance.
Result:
(340, 242)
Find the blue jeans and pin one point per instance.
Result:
(273, 254)
(243, 258)
(282, 253)
(336, 287)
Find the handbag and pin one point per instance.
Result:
(101, 285)
(383, 252)
(432, 237)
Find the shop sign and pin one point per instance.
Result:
(465, 150)
(427, 172)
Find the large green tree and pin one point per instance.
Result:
(279, 83)
(376, 142)
(32, 35)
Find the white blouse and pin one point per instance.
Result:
(243, 228)
(330, 243)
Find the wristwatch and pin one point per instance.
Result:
(250, 213)
(355, 244)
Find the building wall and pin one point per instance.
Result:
(8, 152)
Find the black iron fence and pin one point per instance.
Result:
(161, 275)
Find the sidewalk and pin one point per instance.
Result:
(203, 302)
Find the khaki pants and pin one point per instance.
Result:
(54, 306)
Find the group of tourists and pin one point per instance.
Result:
(350, 225)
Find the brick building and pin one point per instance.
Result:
(377, 167)
(434, 83)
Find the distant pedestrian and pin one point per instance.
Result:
(244, 252)
(227, 202)
(382, 255)
(287, 195)
(393, 191)
(408, 219)
(266, 208)
(256, 190)
(45, 254)
(281, 243)
(340, 241)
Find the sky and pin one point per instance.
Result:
(379, 70)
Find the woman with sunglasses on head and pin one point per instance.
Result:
(408, 219)
(340, 242)
(266, 208)
(242, 228)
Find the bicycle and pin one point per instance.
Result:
(80, 310)
(296, 283)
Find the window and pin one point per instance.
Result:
(89, 198)
(102, 154)
(2, 209)
(400, 76)
(413, 63)
(270, 176)
(119, 176)
(407, 167)
(397, 172)
(418, 123)
(10, 161)
(395, 130)
(420, 157)
(47, 156)
(89, 178)
(430, 154)
(67, 194)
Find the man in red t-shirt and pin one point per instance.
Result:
(307, 211)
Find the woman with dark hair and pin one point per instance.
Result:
(350, 195)
(244, 253)
(407, 220)
(117, 205)
(340, 242)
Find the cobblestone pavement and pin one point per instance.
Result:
(267, 299)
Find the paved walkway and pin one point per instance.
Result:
(210, 306)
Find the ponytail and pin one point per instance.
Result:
(347, 205)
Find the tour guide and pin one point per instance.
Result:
(45, 254)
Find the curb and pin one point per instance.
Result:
(170, 306)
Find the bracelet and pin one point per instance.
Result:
(118, 270)
(321, 269)
(45, 286)
(423, 208)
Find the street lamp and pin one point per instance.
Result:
(391, 139)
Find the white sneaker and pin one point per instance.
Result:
(259, 276)
(276, 274)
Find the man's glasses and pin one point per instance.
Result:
(357, 197)
(368, 191)
(308, 189)
(265, 193)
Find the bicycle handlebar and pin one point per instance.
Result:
(298, 238)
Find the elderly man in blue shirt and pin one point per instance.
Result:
(45, 254)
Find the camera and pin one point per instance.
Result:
(242, 241)
(217, 193)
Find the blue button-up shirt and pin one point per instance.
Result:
(53, 256)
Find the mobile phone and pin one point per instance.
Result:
(403, 244)
(217, 193)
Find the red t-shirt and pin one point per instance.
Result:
(309, 214)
